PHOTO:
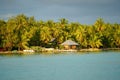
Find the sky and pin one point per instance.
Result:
(83, 11)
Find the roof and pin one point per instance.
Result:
(69, 42)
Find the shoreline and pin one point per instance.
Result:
(58, 50)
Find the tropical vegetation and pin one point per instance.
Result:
(22, 32)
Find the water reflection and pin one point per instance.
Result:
(55, 53)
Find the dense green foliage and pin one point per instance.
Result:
(21, 32)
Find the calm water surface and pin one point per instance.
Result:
(67, 66)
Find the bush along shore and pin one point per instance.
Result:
(21, 32)
(51, 50)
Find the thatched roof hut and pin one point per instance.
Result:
(69, 44)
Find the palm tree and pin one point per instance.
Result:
(2, 31)
(22, 31)
(45, 35)
(63, 21)
(94, 39)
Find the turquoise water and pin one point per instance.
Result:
(67, 66)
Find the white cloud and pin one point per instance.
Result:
(6, 16)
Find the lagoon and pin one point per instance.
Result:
(64, 66)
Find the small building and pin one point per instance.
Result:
(1, 49)
(69, 44)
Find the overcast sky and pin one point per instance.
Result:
(83, 11)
